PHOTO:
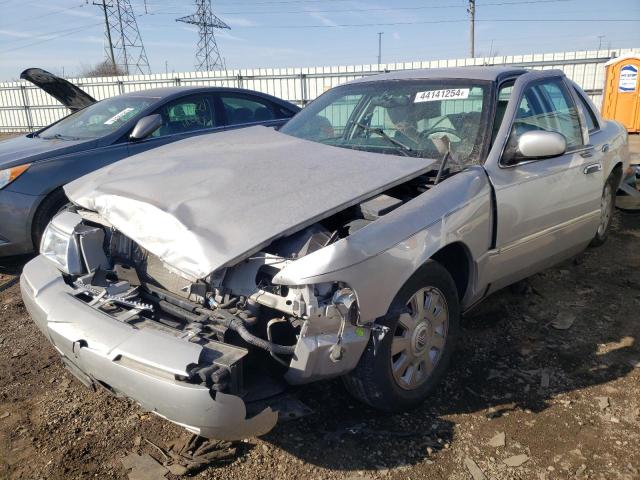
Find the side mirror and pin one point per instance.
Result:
(145, 127)
(536, 145)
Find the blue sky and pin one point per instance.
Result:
(69, 34)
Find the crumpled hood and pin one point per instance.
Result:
(206, 202)
(26, 149)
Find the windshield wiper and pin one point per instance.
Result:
(59, 136)
(379, 131)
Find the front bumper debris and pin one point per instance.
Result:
(144, 364)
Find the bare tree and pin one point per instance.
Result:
(103, 69)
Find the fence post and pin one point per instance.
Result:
(27, 109)
(239, 80)
(303, 88)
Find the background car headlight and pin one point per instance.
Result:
(62, 249)
(8, 175)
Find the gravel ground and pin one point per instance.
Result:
(523, 400)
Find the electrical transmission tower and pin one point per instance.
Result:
(123, 43)
(208, 55)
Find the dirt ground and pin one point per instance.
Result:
(523, 400)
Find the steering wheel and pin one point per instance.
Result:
(427, 133)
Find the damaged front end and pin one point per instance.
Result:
(214, 355)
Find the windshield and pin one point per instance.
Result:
(418, 118)
(99, 119)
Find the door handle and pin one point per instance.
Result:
(593, 168)
(587, 153)
(605, 148)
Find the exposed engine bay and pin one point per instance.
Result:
(263, 333)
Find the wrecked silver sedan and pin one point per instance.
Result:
(203, 278)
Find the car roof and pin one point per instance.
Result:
(492, 74)
(165, 92)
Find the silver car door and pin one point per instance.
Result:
(546, 210)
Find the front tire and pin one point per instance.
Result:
(415, 353)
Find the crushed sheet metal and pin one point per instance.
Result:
(204, 203)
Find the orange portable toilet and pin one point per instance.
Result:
(621, 99)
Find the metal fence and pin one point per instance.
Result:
(24, 107)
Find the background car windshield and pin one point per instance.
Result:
(399, 118)
(99, 119)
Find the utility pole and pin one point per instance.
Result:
(207, 54)
(124, 47)
(107, 29)
(472, 17)
(600, 37)
(380, 48)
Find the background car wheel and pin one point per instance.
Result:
(607, 205)
(415, 353)
(50, 206)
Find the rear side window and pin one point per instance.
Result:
(241, 109)
(587, 113)
(548, 106)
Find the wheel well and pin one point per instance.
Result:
(456, 259)
(44, 204)
(617, 170)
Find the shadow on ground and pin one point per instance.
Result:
(510, 358)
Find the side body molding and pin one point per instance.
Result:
(384, 254)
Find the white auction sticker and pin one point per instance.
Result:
(118, 116)
(446, 94)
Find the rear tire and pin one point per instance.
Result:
(607, 206)
(415, 353)
(50, 206)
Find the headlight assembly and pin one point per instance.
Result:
(60, 245)
(8, 175)
(347, 304)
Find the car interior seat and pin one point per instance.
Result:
(262, 114)
(242, 115)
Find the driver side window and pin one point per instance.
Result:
(186, 114)
(547, 106)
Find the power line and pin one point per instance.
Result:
(48, 39)
(362, 10)
(56, 12)
(424, 22)
(44, 36)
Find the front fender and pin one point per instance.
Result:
(378, 259)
